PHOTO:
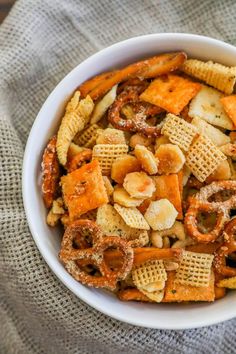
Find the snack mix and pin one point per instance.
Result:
(141, 174)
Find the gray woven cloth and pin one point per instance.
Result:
(40, 42)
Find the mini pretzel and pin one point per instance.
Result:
(138, 124)
(228, 247)
(147, 108)
(91, 84)
(144, 254)
(132, 82)
(94, 255)
(147, 68)
(78, 159)
(200, 203)
(83, 234)
(51, 172)
(141, 85)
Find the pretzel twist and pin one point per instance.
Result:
(138, 124)
(94, 255)
(228, 247)
(50, 172)
(200, 202)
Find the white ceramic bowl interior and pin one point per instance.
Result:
(164, 316)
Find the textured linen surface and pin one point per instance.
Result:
(40, 42)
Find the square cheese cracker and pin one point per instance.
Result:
(83, 189)
(170, 92)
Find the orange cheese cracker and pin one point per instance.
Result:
(167, 186)
(229, 104)
(84, 189)
(170, 92)
(175, 292)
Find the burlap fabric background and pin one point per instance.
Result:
(40, 42)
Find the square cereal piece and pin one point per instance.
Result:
(84, 190)
(167, 187)
(175, 292)
(106, 154)
(207, 106)
(149, 272)
(82, 138)
(112, 224)
(203, 158)
(179, 131)
(91, 142)
(229, 104)
(132, 217)
(170, 92)
(194, 269)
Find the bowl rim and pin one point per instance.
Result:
(26, 167)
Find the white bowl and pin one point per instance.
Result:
(163, 316)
